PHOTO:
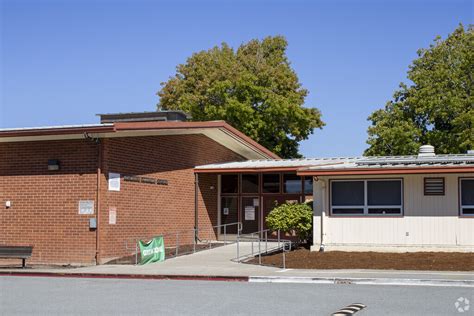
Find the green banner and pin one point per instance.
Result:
(152, 251)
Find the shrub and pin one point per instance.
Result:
(292, 217)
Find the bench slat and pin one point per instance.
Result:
(16, 251)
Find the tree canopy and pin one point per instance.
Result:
(437, 108)
(253, 88)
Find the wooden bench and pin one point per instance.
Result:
(19, 252)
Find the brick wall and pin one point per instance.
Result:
(44, 210)
(145, 210)
(45, 203)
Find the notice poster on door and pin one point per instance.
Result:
(255, 202)
(249, 213)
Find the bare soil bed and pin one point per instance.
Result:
(302, 258)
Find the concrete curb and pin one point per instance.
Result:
(364, 281)
(125, 276)
(251, 279)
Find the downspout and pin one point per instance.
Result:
(323, 213)
(97, 216)
(196, 201)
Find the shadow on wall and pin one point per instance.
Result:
(127, 155)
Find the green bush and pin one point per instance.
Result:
(292, 217)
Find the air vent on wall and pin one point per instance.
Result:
(434, 186)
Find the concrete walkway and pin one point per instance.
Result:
(220, 261)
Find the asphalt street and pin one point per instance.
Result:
(76, 296)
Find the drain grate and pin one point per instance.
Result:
(349, 310)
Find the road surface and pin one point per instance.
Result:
(61, 296)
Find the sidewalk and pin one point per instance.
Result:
(217, 264)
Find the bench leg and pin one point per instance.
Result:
(24, 263)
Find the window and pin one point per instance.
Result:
(433, 186)
(271, 183)
(291, 183)
(308, 185)
(467, 196)
(250, 183)
(347, 197)
(366, 197)
(229, 183)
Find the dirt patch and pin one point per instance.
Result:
(302, 258)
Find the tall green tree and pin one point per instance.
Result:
(253, 88)
(437, 109)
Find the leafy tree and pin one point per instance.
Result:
(437, 109)
(288, 217)
(253, 88)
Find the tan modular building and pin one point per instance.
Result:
(408, 203)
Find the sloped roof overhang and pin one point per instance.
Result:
(219, 131)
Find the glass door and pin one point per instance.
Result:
(229, 214)
(250, 214)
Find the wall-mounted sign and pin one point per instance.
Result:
(225, 211)
(249, 213)
(86, 207)
(112, 215)
(114, 181)
(145, 180)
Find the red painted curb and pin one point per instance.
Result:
(127, 276)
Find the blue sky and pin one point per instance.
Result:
(64, 61)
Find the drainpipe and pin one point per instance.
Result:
(323, 213)
(196, 201)
(97, 216)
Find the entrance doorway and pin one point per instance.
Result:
(248, 198)
(250, 214)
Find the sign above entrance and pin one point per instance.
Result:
(145, 180)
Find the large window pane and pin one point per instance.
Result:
(271, 183)
(347, 193)
(384, 192)
(250, 183)
(229, 183)
(291, 183)
(308, 185)
(467, 192)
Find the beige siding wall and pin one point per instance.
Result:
(428, 223)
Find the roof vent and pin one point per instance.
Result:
(157, 116)
(426, 151)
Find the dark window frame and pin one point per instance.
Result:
(280, 183)
(366, 207)
(300, 178)
(461, 206)
(241, 184)
(238, 184)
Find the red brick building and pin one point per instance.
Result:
(58, 190)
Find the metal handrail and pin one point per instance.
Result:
(285, 245)
(177, 234)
